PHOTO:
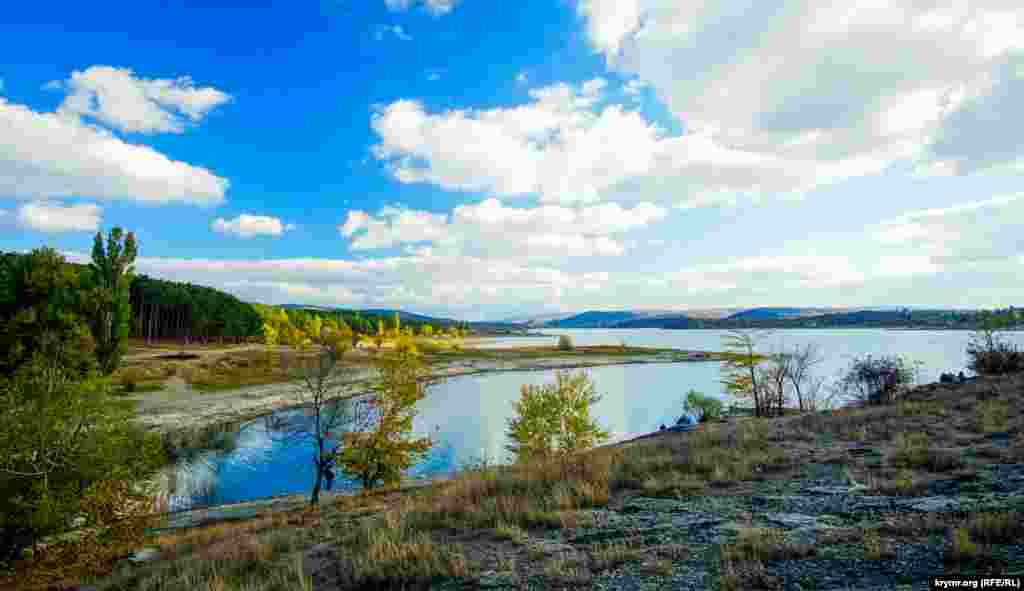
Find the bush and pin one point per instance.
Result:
(706, 407)
(990, 355)
(877, 380)
(554, 419)
(565, 343)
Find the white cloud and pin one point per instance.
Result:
(55, 217)
(851, 87)
(248, 226)
(49, 155)
(565, 147)
(979, 233)
(116, 97)
(435, 7)
(493, 287)
(398, 31)
(492, 229)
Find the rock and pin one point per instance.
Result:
(695, 521)
(830, 490)
(932, 504)
(495, 580)
(550, 547)
(792, 520)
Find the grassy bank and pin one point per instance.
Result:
(694, 508)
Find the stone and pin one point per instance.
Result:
(933, 504)
(830, 490)
(495, 580)
(694, 521)
(792, 520)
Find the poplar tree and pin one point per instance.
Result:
(110, 309)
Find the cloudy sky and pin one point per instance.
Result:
(486, 159)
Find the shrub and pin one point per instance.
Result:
(565, 343)
(554, 419)
(877, 380)
(988, 354)
(706, 407)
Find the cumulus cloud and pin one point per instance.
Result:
(492, 229)
(249, 225)
(435, 7)
(120, 99)
(57, 155)
(56, 217)
(570, 144)
(853, 87)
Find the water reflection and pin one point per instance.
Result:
(467, 417)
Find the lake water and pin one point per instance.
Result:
(467, 416)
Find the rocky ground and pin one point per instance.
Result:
(821, 512)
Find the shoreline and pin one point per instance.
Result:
(179, 410)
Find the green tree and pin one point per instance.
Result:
(110, 315)
(39, 299)
(381, 446)
(66, 438)
(554, 419)
(705, 407)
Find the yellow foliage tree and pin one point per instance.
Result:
(382, 448)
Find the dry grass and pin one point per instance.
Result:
(991, 416)
(511, 532)
(763, 544)
(961, 548)
(389, 553)
(612, 555)
(567, 571)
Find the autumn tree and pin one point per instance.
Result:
(110, 315)
(382, 447)
(740, 363)
(554, 419)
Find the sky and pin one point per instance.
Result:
(484, 160)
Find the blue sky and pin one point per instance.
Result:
(483, 160)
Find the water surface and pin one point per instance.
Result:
(467, 416)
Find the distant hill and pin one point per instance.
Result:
(757, 313)
(773, 317)
(594, 319)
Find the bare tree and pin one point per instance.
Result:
(329, 412)
(773, 378)
(800, 375)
